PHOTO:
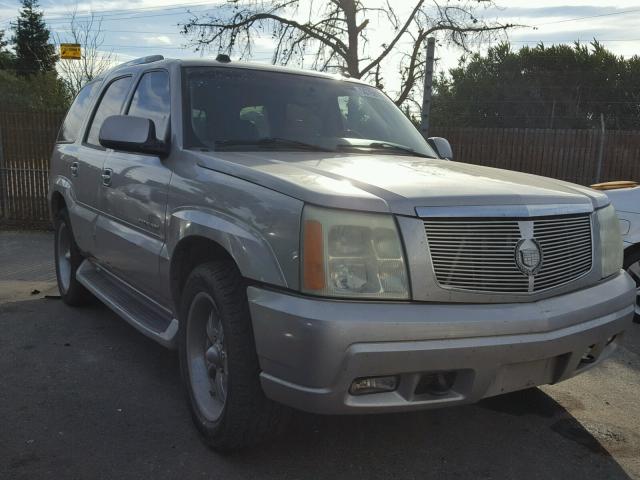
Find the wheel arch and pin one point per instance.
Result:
(60, 195)
(632, 249)
(197, 236)
(57, 203)
(190, 252)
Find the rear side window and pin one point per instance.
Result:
(152, 100)
(75, 116)
(110, 104)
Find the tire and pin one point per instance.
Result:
(67, 260)
(219, 363)
(632, 266)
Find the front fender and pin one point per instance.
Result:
(251, 252)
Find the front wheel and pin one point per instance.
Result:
(218, 361)
(632, 266)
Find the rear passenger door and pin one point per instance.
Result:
(82, 175)
(134, 195)
(92, 156)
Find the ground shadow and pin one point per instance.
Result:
(86, 396)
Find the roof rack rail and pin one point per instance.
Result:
(130, 63)
(141, 61)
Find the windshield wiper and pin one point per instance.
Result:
(386, 146)
(271, 142)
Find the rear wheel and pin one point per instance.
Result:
(218, 361)
(67, 259)
(632, 266)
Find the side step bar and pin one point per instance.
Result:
(147, 316)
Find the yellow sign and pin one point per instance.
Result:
(70, 51)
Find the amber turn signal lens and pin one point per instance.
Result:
(313, 253)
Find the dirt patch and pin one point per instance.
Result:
(17, 290)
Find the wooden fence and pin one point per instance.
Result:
(26, 140)
(571, 155)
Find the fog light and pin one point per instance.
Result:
(364, 386)
(588, 357)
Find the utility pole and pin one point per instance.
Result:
(428, 83)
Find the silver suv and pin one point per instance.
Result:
(303, 246)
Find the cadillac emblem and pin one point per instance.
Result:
(528, 256)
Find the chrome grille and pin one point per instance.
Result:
(480, 255)
(566, 250)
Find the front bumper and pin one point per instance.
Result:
(311, 350)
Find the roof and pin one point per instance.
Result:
(158, 60)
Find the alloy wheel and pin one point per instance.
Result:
(63, 254)
(207, 356)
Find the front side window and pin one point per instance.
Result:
(111, 104)
(70, 129)
(242, 109)
(152, 100)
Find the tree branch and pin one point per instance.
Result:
(409, 82)
(395, 40)
(324, 37)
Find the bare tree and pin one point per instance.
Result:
(338, 34)
(89, 34)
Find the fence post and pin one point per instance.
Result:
(600, 150)
(3, 184)
(428, 82)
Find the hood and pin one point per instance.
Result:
(391, 183)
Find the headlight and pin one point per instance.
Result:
(350, 254)
(610, 241)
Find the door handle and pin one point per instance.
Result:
(74, 169)
(106, 177)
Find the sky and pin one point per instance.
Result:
(134, 28)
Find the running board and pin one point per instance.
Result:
(145, 315)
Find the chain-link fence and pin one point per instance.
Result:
(26, 140)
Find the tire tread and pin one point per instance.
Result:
(249, 417)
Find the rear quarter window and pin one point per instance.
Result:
(70, 129)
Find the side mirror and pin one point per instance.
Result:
(131, 134)
(442, 147)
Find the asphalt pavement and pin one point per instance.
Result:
(84, 396)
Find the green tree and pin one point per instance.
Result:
(36, 92)
(6, 57)
(561, 86)
(34, 53)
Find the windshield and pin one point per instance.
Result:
(243, 109)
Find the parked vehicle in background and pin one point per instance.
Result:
(625, 197)
(302, 245)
